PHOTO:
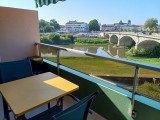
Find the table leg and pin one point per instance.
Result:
(61, 105)
(60, 102)
(49, 106)
(6, 111)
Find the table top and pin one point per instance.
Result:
(26, 94)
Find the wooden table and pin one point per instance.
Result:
(26, 94)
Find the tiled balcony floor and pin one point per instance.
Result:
(67, 102)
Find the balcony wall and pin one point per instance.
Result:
(19, 30)
(113, 102)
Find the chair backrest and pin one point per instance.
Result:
(10, 71)
(78, 111)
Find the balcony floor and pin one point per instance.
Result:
(67, 102)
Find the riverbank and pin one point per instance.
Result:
(100, 67)
(91, 41)
(152, 61)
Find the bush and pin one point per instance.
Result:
(144, 53)
(55, 38)
(70, 36)
(150, 89)
(45, 39)
(90, 41)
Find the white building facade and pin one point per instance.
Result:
(74, 26)
(107, 27)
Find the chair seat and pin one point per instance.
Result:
(46, 115)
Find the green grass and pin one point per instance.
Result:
(150, 89)
(92, 41)
(102, 67)
(152, 61)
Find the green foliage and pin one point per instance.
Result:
(45, 39)
(48, 29)
(90, 41)
(151, 24)
(144, 53)
(51, 26)
(94, 25)
(121, 30)
(55, 39)
(150, 89)
(70, 36)
(42, 23)
(54, 23)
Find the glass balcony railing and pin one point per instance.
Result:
(139, 78)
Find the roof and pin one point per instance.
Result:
(107, 25)
(75, 22)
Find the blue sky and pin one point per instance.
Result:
(105, 11)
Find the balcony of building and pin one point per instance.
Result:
(20, 39)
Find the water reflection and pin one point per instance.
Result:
(106, 50)
(102, 52)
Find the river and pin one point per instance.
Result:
(105, 50)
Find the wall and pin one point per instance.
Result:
(19, 30)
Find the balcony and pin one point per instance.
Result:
(115, 102)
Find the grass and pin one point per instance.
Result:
(152, 61)
(97, 66)
(150, 89)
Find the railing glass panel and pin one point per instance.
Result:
(48, 53)
(124, 73)
(149, 83)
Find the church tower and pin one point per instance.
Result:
(129, 22)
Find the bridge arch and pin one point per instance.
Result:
(147, 44)
(106, 36)
(127, 41)
(113, 39)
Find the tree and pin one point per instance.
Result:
(70, 36)
(48, 29)
(54, 23)
(45, 39)
(55, 38)
(151, 24)
(121, 30)
(42, 23)
(94, 25)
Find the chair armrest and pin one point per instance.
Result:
(77, 100)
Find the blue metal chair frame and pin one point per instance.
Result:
(78, 111)
(10, 71)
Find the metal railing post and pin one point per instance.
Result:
(132, 112)
(38, 50)
(58, 62)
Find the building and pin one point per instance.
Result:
(141, 28)
(115, 101)
(128, 26)
(62, 30)
(74, 26)
(107, 27)
(118, 26)
(62, 27)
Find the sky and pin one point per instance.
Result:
(105, 11)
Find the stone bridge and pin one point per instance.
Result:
(128, 39)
